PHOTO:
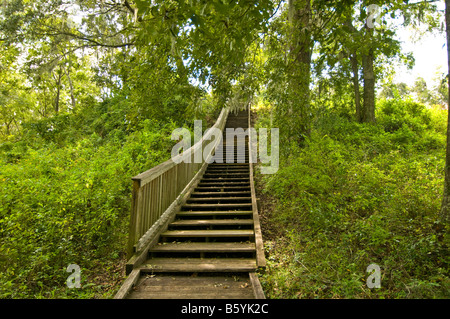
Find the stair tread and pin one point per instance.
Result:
(216, 180)
(225, 178)
(207, 213)
(227, 172)
(220, 193)
(204, 247)
(230, 166)
(222, 173)
(209, 233)
(226, 205)
(219, 188)
(210, 222)
(198, 264)
(224, 183)
(208, 199)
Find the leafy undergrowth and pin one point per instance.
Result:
(65, 199)
(355, 195)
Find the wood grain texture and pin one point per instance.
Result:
(199, 265)
(160, 286)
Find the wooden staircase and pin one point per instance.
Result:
(216, 233)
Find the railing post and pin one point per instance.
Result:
(133, 218)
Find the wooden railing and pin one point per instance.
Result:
(159, 192)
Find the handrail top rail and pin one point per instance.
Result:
(152, 173)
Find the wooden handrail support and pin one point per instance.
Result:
(260, 257)
(159, 193)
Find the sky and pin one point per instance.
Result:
(430, 54)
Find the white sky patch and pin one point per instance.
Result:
(430, 54)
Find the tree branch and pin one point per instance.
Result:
(132, 10)
(93, 43)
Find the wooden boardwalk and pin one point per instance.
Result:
(212, 246)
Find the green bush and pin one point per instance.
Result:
(357, 194)
(66, 202)
(393, 114)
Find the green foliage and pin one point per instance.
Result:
(89, 95)
(90, 91)
(357, 194)
(66, 200)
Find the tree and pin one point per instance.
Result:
(301, 45)
(394, 90)
(289, 49)
(442, 91)
(364, 34)
(363, 46)
(445, 207)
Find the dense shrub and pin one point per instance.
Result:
(67, 201)
(358, 194)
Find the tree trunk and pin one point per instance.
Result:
(445, 207)
(369, 88)
(58, 91)
(300, 68)
(72, 96)
(355, 70)
(8, 128)
(354, 63)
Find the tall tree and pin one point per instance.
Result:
(445, 207)
(364, 33)
(301, 45)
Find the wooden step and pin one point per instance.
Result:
(199, 265)
(222, 187)
(228, 164)
(230, 154)
(220, 194)
(205, 247)
(216, 199)
(209, 233)
(229, 168)
(188, 286)
(212, 222)
(226, 174)
(210, 182)
(224, 179)
(218, 206)
(227, 171)
(218, 190)
(214, 213)
(234, 135)
(223, 175)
